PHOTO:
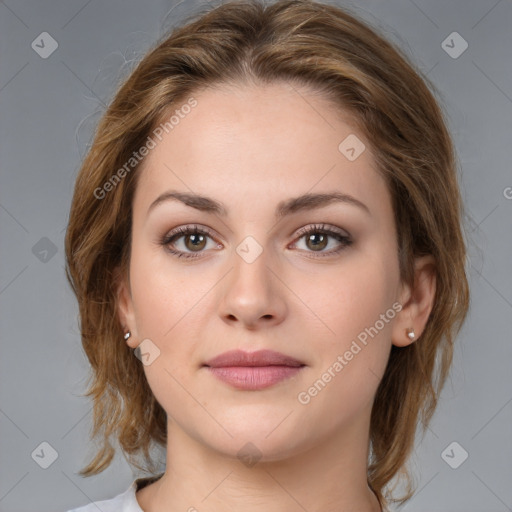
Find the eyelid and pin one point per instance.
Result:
(185, 229)
(321, 227)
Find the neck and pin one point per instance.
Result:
(329, 476)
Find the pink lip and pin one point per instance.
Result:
(253, 370)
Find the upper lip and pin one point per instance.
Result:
(258, 358)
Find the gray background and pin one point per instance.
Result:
(48, 110)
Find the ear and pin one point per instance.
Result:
(417, 302)
(125, 310)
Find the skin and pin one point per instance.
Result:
(251, 147)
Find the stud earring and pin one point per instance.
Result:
(410, 333)
(127, 335)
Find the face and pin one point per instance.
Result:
(279, 237)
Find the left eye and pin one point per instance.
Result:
(316, 239)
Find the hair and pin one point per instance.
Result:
(305, 43)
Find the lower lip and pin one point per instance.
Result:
(254, 377)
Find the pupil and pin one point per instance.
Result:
(196, 240)
(320, 243)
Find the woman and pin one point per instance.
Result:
(265, 243)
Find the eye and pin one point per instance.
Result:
(318, 237)
(190, 241)
(194, 240)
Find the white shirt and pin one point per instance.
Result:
(124, 502)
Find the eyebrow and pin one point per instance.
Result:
(284, 208)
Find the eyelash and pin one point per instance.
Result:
(345, 241)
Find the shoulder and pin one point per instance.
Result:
(124, 502)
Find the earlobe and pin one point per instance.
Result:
(418, 303)
(411, 334)
(127, 336)
(125, 309)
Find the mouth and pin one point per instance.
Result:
(253, 371)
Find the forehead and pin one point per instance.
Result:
(261, 143)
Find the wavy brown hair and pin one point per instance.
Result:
(331, 51)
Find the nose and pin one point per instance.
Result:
(253, 296)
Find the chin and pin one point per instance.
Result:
(251, 444)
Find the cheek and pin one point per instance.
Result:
(355, 305)
(166, 305)
(348, 298)
(348, 369)
(164, 294)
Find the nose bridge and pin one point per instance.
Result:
(251, 275)
(252, 291)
